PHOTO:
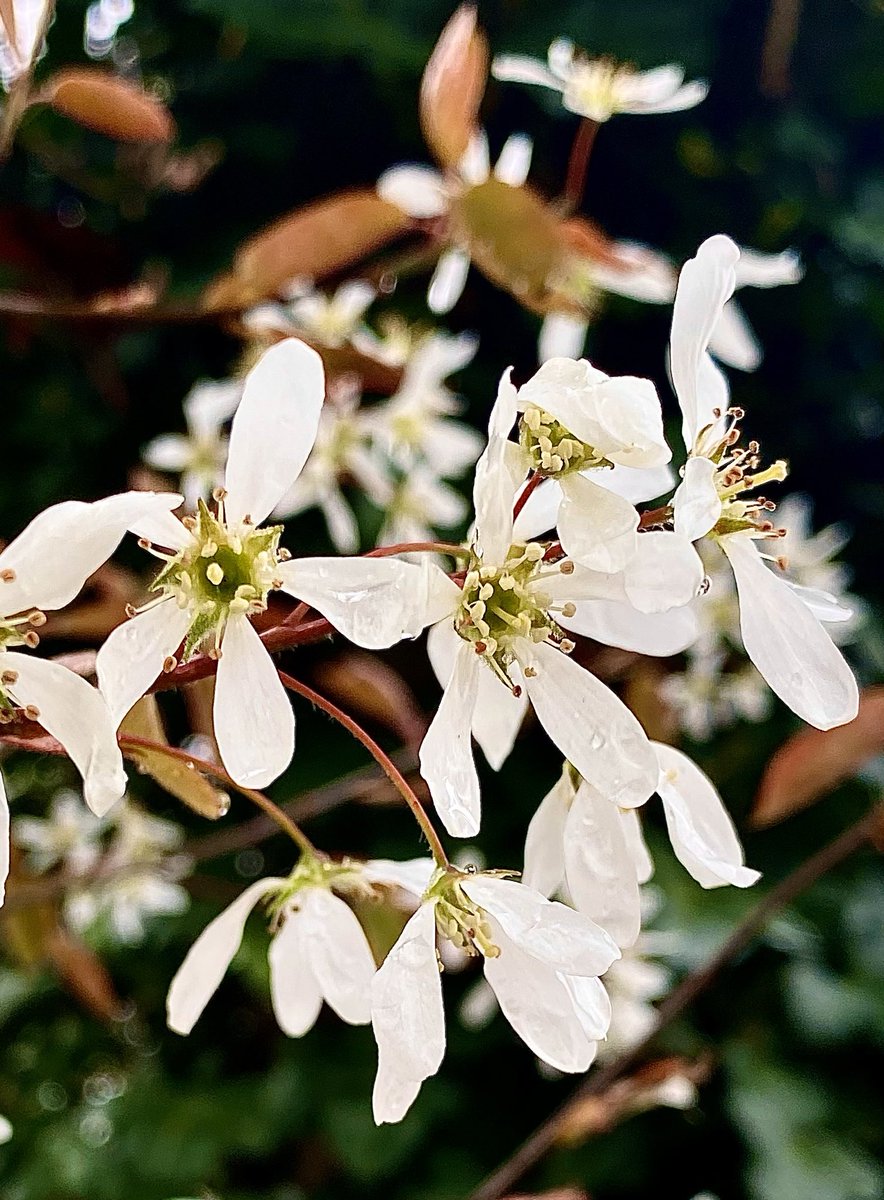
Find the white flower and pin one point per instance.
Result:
(598, 88)
(420, 505)
(5, 1130)
(220, 568)
(423, 193)
(318, 951)
(199, 455)
(70, 836)
(331, 321)
(17, 54)
(541, 958)
(44, 568)
(781, 635)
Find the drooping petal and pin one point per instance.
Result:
(665, 572)
(638, 272)
(519, 68)
(494, 486)
(544, 868)
(619, 624)
(592, 1003)
(294, 989)
(132, 656)
(446, 754)
(373, 602)
(696, 503)
(75, 713)
(449, 280)
(787, 644)
(562, 335)
(700, 828)
(636, 844)
(207, 960)
(592, 728)
(254, 721)
(514, 163)
(50, 560)
(596, 527)
(599, 868)
(338, 953)
(274, 429)
(413, 875)
(407, 1017)
(768, 270)
(705, 284)
(733, 340)
(537, 1003)
(546, 930)
(4, 840)
(498, 717)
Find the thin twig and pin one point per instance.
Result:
(547, 1135)
(575, 180)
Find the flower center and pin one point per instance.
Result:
(737, 474)
(552, 449)
(221, 573)
(459, 919)
(594, 88)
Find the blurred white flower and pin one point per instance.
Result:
(69, 837)
(542, 960)
(5, 1130)
(331, 321)
(421, 504)
(599, 88)
(199, 455)
(318, 950)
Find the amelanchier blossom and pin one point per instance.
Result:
(599, 88)
(199, 455)
(541, 958)
(331, 321)
(69, 837)
(219, 569)
(318, 951)
(781, 634)
(44, 568)
(424, 193)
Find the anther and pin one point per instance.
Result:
(32, 712)
(219, 494)
(569, 609)
(215, 573)
(131, 610)
(214, 653)
(782, 562)
(567, 567)
(170, 662)
(145, 543)
(8, 576)
(31, 639)
(37, 618)
(283, 555)
(566, 646)
(189, 523)
(481, 647)
(9, 678)
(530, 672)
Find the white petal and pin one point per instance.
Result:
(494, 487)
(197, 979)
(787, 644)
(254, 722)
(162, 529)
(599, 869)
(514, 163)
(733, 341)
(592, 1003)
(418, 191)
(407, 1016)
(294, 990)
(824, 605)
(539, 512)
(340, 521)
(374, 602)
(413, 875)
(56, 553)
(274, 429)
(635, 841)
(639, 273)
(768, 270)
(637, 484)
(696, 503)
(592, 728)
(339, 954)
(705, 284)
(168, 452)
(518, 68)
(475, 165)
(132, 656)
(446, 754)
(449, 280)
(597, 528)
(665, 572)
(619, 624)
(209, 405)
(544, 929)
(544, 869)
(562, 335)
(4, 840)
(700, 828)
(352, 299)
(538, 1005)
(75, 713)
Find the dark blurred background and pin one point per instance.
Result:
(295, 100)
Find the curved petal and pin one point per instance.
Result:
(51, 559)
(446, 754)
(75, 713)
(169, 452)
(549, 932)
(539, 512)
(562, 335)
(412, 875)
(537, 1003)
(619, 624)
(700, 828)
(449, 280)
(254, 721)
(705, 284)
(162, 529)
(338, 953)
(597, 528)
(638, 272)
(696, 503)
(294, 990)
(637, 484)
(599, 868)
(373, 602)
(407, 1017)
(544, 868)
(592, 728)
(768, 270)
(635, 841)
(592, 1003)
(4, 840)
(273, 430)
(787, 644)
(665, 572)
(514, 163)
(519, 68)
(207, 960)
(733, 341)
(132, 656)
(417, 190)
(494, 487)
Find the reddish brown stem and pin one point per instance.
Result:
(575, 181)
(531, 486)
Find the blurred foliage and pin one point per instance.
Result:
(296, 100)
